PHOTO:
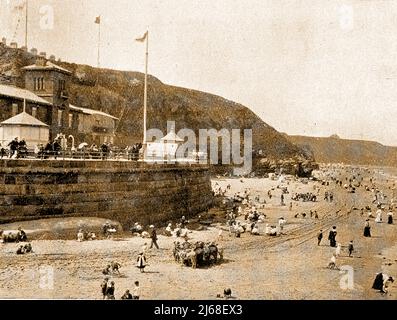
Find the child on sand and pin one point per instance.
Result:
(338, 250)
(136, 291)
(141, 262)
(332, 262)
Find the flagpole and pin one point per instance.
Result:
(26, 24)
(145, 93)
(99, 41)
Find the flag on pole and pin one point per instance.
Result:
(143, 38)
(98, 20)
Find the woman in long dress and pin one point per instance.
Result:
(141, 262)
(367, 229)
(390, 217)
(378, 218)
(332, 237)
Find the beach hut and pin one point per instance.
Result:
(24, 126)
(170, 145)
(165, 150)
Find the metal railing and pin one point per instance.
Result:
(114, 154)
(71, 154)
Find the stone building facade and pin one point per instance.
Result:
(46, 94)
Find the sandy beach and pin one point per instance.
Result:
(290, 266)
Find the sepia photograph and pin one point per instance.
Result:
(183, 150)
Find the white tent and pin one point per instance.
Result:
(24, 126)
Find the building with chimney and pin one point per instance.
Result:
(46, 98)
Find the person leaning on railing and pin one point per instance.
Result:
(104, 151)
(3, 151)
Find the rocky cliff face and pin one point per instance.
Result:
(336, 150)
(121, 94)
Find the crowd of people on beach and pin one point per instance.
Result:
(245, 213)
(108, 291)
(352, 184)
(249, 208)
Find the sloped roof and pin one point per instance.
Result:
(14, 92)
(48, 66)
(172, 136)
(92, 112)
(23, 119)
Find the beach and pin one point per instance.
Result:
(289, 266)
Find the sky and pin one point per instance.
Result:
(308, 67)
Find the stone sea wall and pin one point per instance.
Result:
(119, 190)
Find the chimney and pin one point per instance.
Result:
(59, 60)
(4, 41)
(52, 58)
(33, 51)
(43, 54)
(24, 49)
(14, 45)
(40, 61)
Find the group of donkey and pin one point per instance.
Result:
(198, 254)
(12, 236)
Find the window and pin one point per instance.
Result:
(60, 118)
(34, 112)
(14, 109)
(62, 85)
(38, 84)
(70, 120)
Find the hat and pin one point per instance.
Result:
(151, 226)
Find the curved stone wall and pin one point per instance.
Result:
(120, 190)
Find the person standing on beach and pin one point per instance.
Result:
(110, 291)
(350, 248)
(367, 229)
(153, 236)
(141, 262)
(390, 217)
(378, 218)
(136, 291)
(104, 287)
(332, 237)
(281, 224)
(319, 237)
